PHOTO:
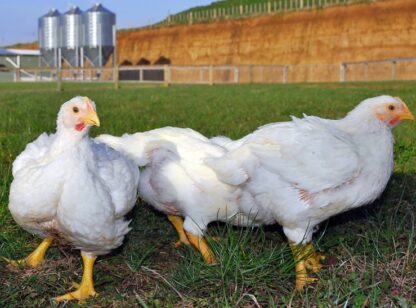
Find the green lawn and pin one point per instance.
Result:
(372, 250)
(262, 4)
(218, 10)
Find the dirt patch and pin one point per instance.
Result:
(380, 30)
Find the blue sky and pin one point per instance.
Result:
(18, 19)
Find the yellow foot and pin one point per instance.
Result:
(14, 263)
(177, 222)
(199, 243)
(313, 258)
(313, 262)
(81, 294)
(209, 257)
(179, 242)
(306, 258)
(36, 258)
(86, 288)
(302, 281)
(30, 261)
(185, 241)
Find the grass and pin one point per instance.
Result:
(262, 4)
(225, 9)
(372, 250)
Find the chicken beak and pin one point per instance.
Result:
(91, 117)
(405, 114)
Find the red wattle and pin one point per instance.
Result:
(80, 126)
(394, 121)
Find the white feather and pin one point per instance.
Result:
(176, 179)
(304, 171)
(70, 187)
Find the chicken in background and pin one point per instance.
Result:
(177, 181)
(69, 189)
(300, 173)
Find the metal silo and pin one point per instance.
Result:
(48, 27)
(71, 36)
(99, 34)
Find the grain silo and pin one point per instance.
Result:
(48, 35)
(71, 36)
(98, 34)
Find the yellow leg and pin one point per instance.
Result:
(199, 243)
(177, 222)
(86, 288)
(36, 258)
(302, 254)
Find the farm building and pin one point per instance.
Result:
(11, 59)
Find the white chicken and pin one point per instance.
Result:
(70, 189)
(300, 173)
(177, 181)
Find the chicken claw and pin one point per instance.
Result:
(36, 258)
(199, 243)
(306, 258)
(177, 222)
(313, 260)
(86, 288)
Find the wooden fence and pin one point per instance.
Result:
(390, 69)
(260, 8)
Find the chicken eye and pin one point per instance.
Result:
(75, 109)
(391, 107)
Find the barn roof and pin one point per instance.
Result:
(19, 52)
(5, 52)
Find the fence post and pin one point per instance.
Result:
(115, 78)
(141, 75)
(191, 17)
(285, 73)
(167, 75)
(301, 4)
(16, 74)
(393, 70)
(241, 9)
(211, 75)
(342, 70)
(236, 75)
(269, 7)
(58, 79)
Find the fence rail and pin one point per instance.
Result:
(260, 8)
(390, 69)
